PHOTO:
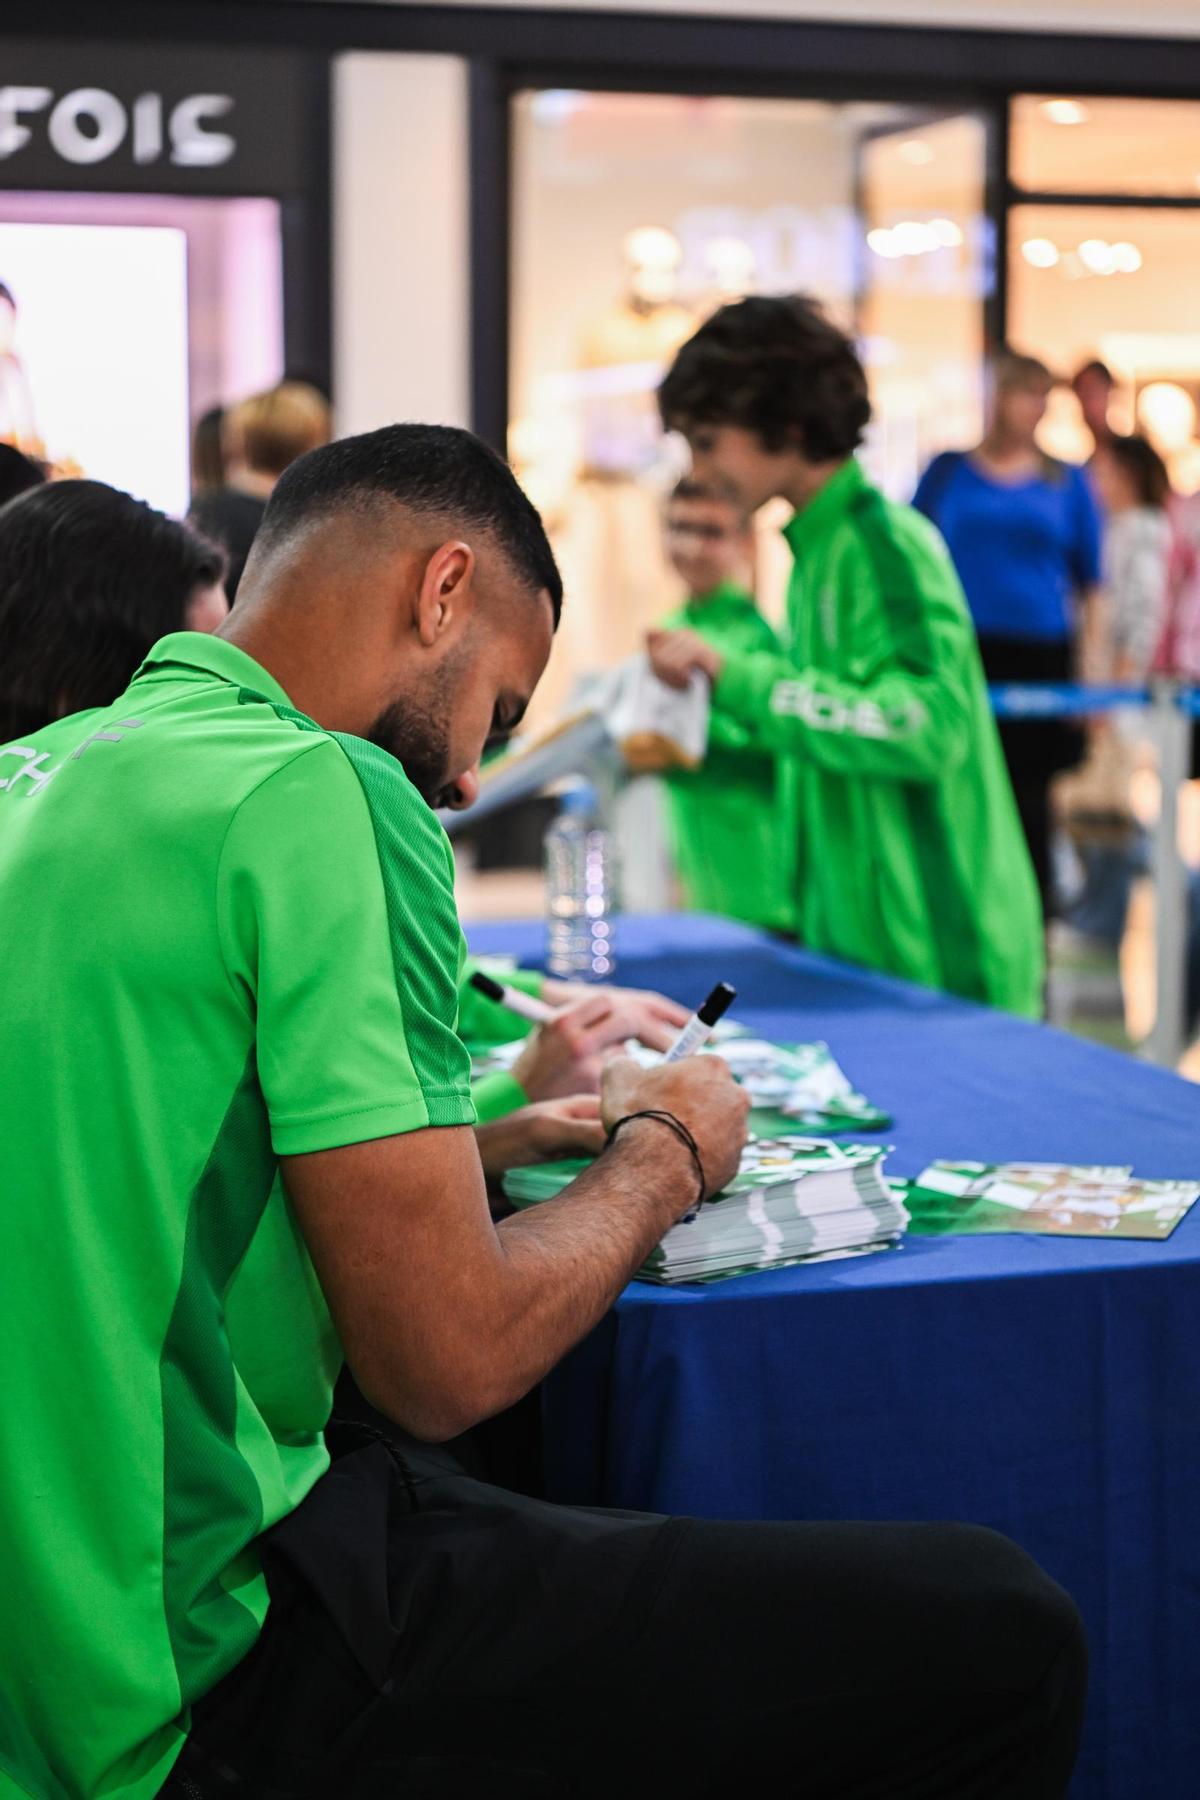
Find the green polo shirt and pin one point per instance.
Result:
(229, 936)
(910, 853)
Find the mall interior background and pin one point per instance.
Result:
(484, 216)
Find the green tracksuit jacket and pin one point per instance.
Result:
(910, 852)
(733, 853)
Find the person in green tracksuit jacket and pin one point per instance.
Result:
(731, 855)
(910, 852)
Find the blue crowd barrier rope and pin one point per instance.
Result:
(1061, 699)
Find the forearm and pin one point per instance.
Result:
(499, 1321)
(567, 1259)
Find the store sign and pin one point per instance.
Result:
(89, 125)
(175, 118)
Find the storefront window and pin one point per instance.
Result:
(132, 314)
(1099, 279)
(1105, 146)
(636, 215)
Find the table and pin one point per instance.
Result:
(1047, 1387)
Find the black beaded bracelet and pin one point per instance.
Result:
(681, 1132)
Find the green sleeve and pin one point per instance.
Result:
(737, 630)
(342, 943)
(497, 1095)
(902, 710)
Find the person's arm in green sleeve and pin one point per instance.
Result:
(904, 716)
(734, 632)
(909, 721)
(496, 1095)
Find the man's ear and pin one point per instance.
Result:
(445, 591)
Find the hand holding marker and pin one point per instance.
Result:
(697, 1032)
(692, 1036)
(524, 1005)
(703, 1022)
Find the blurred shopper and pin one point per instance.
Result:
(909, 849)
(89, 580)
(1024, 533)
(208, 453)
(1135, 491)
(1094, 802)
(18, 473)
(732, 852)
(261, 437)
(1093, 386)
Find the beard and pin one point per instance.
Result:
(417, 733)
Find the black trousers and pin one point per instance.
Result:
(1036, 750)
(431, 1635)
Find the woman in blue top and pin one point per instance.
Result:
(1024, 533)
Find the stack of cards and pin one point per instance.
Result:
(794, 1199)
(788, 1084)
(1071, 1200)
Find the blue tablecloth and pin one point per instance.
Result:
(1047, 1387)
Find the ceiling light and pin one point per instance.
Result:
(1039, 253)
(881, 242)
(1097, 256)
(1127, 258)
(913, 239)
(948, 234)
(916, 151)
(1064, 112)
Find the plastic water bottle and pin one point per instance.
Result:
(581, 898)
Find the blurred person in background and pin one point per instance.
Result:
(1024, 533)
(260, 438)
(909, 850)
(89, 580)
(1093, 386)
(18, 473)
(208, 454)
(732, 854)
(1135, 491)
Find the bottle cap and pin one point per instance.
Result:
(579, 798)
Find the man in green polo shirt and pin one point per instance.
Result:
(236, 1144)
(910, 852)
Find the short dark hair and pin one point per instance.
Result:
(90, 579)
(1145, 468)
(439, 471)
(777, 366)
(18, 473)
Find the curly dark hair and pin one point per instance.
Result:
(774, 365)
